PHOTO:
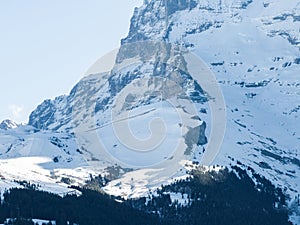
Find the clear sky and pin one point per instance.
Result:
(47, 46)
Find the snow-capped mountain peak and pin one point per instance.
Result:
(8, 124)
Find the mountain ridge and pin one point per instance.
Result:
(8, 124)
(246, 78)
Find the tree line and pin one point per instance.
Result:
(227, 197)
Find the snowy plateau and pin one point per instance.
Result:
(253, 49)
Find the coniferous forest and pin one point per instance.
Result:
(227, 197)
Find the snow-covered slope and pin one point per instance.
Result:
(253, 49)
(47, 159)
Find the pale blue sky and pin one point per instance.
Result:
(47, 46)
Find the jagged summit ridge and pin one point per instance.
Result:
(158, 24)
